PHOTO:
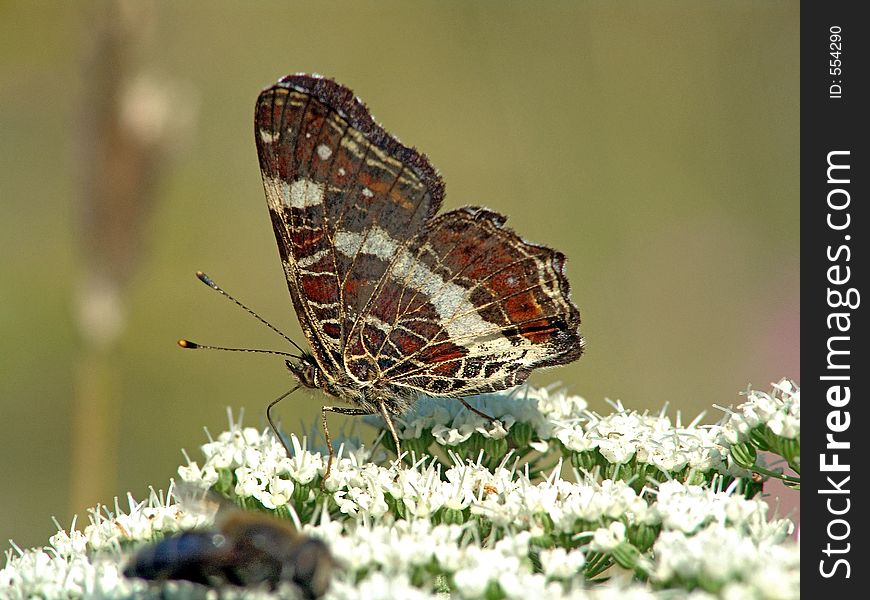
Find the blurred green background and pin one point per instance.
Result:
(654, 143)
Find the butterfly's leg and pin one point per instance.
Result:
(272, 422)
(341, 410)
(475, 411)
(389, 421)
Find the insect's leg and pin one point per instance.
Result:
(389, 421)
(272, 423)
(341, 410)
(475, 411)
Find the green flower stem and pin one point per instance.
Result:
(776, 475)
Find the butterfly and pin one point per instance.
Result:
(395, 300)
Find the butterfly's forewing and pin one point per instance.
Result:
(336, 183)
(389, 295)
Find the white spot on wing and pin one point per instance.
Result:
(324, 152)
(268, 137)
(304, 192)
(367, 192)
(315, 258)
(299, 194)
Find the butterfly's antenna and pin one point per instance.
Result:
(188, 345)
(207, 280)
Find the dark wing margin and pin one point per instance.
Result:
(333, 176)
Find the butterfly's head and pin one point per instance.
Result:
(306, 371)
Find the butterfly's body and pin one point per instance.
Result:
(366, 397)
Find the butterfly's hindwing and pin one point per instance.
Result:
(468, 308)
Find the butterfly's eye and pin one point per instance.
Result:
(305, 373)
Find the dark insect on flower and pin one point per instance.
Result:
(395, 300)
(248, 549)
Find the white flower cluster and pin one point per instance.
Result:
(65, 568)
(688, 508)
(451, 423)
(257, 451)
(566, 505)
(779, 410)
(391, 553)
(507, 499)
(45, 573)
(728, 563)
(144, 521)
(619, 438)
(395, 549)
(649, 439)
(464, 526)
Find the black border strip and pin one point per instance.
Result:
(834, 230)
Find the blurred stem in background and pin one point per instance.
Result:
(129, 125)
